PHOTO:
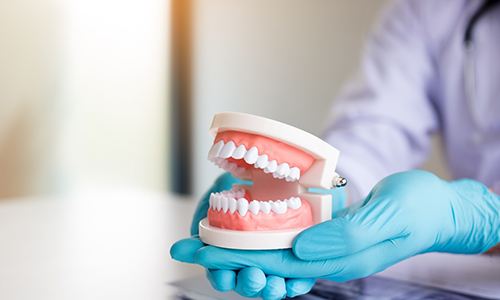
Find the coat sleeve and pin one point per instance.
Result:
(384, 118)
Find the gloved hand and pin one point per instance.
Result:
(248, 282)
(405, 214)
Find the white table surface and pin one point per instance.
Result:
(95, 245)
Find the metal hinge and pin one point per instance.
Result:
(338, 181)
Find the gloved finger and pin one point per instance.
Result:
(222, 183)
(250, 282)
(285, 264)
(281, 263)
(275, 288)
(222, 280)
(354, 232)
(298, 286)
(184, 250)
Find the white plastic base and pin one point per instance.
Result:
(246, 240)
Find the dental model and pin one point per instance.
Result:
(282, 162)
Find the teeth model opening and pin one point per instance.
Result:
(272, 202)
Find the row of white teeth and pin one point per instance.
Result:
(220, 152)
(226, 203)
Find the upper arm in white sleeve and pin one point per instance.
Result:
(383, 120)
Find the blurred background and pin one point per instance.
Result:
(115, 93)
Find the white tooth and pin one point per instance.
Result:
(213, 205)
(232, 205)
(239, 152)
(294, 202)
(279, 207)
(214, 200)
(271, 167)
(262, 161)
(227, 150)
(265, 207)
(283, 170)
(215, 150)
(211, 201)
(294, 174)
(251, 156)
(218, 202)
(242, 206)
(254, 207)
(225, 204)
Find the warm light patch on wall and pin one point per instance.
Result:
(114, 104)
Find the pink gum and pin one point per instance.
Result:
(276, 150)
(292, 219)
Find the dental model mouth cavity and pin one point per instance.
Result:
(282, 162)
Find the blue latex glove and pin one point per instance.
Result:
(249, 282)
(405, 214)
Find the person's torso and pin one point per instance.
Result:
(466, 91)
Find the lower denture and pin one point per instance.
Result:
(298, 212)
(292, 219)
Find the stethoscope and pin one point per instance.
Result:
(470, 64)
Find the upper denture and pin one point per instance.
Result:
(236, 151)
